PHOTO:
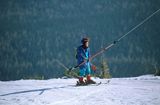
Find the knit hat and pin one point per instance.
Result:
(85, 40)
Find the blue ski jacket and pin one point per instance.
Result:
(82, 55)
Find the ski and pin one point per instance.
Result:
(96, 84)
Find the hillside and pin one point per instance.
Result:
(33, 34)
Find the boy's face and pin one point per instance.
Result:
(86, 44)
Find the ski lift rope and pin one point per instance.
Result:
(115, 41)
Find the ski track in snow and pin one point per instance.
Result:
(143, 90)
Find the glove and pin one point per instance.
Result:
(86, 59)
(93, 67)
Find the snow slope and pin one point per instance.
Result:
(143, 90)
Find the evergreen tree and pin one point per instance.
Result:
(104, 69)
(71, 74)
(157, 71)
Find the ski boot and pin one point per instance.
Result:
(89, 80)
(81, 82)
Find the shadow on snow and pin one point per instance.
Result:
(35, 90)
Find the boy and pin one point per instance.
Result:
(83, 54)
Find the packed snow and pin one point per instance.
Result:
(143, 90)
